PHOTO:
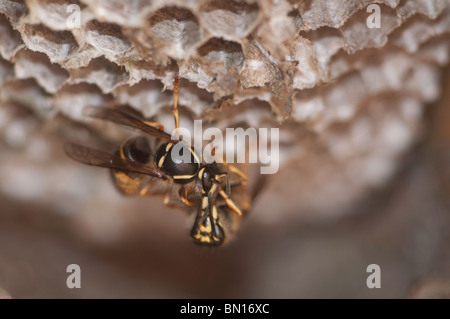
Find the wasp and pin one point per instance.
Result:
(149, 159)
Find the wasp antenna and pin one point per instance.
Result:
(233, 169)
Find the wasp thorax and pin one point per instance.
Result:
(137, 149)
(177, 160)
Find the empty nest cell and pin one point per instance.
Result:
(57, 45)
(6, 71)
(27, 92)
(146, 96)
(216, 66)
(54, 14)
(125, 13)
(358, 36)
(10, 40)
(229, 19)
(105, 74)
(321, 13)
(50, 76)
(220, 50)
(70, 100)
(418, 29)
(107, 38)
(429, 8)
(177, 29)
(14, 10)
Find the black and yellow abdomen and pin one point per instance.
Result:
(136, 149)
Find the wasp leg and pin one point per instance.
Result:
(176, 116)
(229, 185)
(157, 125)
(227, 182)
(144, 191)
(225, 194)
(230, 202)
(167, 201)
(237, 171)
(184, 196)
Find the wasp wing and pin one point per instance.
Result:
(90, 156)
(124, 118)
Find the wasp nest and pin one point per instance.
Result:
(348, 98)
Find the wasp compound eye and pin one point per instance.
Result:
(206, 180)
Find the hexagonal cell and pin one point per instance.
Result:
(343, 99)
(307, 73)
(436, 50)
(257, 69)
(422, 82)
(36, 65)
(125, 13)
(321, 13)
(14, 10)
(146, 96)
(28, 93)
(229, 19)
(430, 8)
(342, 63)
(220, 50)
(58, 45)
(194, 98)
(307, 105)
(337, 102)
(54, 14)
(10, 40)
(148, 70)
(251, 112)
(149, 97)
(358, 36)
(105, 74)
(106, 38)
(418, 29)
(216, 67)
(177, 29)
(278, 25)
(82, 58)
(17, 125)
(326, 43)
(72, 99)
(6, 71)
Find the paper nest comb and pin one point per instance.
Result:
(357, 93)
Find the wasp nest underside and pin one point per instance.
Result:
(350, 98)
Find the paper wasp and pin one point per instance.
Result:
(142, 161)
